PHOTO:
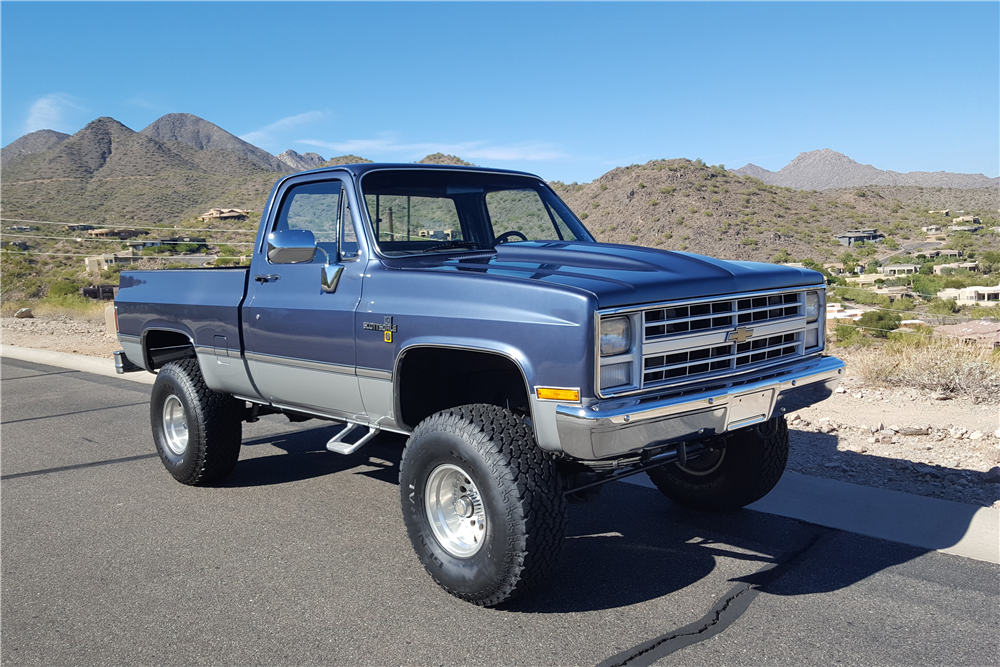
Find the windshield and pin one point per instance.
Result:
(415, 211)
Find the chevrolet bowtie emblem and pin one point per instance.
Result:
(740, 335)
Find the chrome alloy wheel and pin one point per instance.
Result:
(175, 427)
(455, 511)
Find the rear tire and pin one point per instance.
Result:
(742, 467)
(197, 431)
(482, 504)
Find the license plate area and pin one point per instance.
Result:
(750, 408)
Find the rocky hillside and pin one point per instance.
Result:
(199, 133)
(301, 162)
(109, 174)
(685, 205)
(36, 142)
(826, 169)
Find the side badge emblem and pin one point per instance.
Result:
(387, 328)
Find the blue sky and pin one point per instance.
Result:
(565, 90)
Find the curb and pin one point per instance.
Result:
(954, 528)
(76, 362)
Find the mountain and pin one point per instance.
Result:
(109, 174)
(36, 142)
(197, 132)
(826, 169)
(301, 162)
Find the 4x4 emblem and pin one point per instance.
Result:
(740, 335)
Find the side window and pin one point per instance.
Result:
(314, 207)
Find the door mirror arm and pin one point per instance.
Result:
(329, 275)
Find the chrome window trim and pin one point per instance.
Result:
(639, 346)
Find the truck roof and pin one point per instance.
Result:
(362, 168)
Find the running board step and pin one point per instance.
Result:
(337, 444)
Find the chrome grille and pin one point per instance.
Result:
(718, 357)
(662, 323)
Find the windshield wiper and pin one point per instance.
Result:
(448, 245)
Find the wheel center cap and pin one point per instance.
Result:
(463, 506)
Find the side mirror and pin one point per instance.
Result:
(291, 246)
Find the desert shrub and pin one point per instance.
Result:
(903, 303)
(934, 365)
(879, 323)
(942, 306)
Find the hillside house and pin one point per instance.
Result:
(970, 266)
(973, 296)
(79, 228)
(114, 233)
(178, 240)
(445, 235)
(865, 279)
(224, 214)
(966, 219)
(16, 245)
(984, 334)
(965, 228)
(932, 229)
(835, 268)
(849, 238)
(945, 213)
(99, 263)
(899, 269)
(20, 228)
(931, 254)
(837, 311)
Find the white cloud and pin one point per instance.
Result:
(264, 134)
(470, 150)
(47, 113)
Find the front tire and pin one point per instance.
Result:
(482, 503)
(740, 468)
(197, 431)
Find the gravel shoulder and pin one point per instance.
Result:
(899, 438)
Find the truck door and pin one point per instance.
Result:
(300, 337)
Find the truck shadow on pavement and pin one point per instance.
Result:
(305, 457)
(629, 546)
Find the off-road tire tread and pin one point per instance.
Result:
(748, 484)
(506, 443)
(217, 449)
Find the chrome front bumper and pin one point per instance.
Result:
(619, 426)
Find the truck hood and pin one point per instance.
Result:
(620, 275)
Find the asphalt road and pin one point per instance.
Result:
(300, 557)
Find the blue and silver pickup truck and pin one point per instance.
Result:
(528, 364)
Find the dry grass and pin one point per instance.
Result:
(74, 308)
(931, 365)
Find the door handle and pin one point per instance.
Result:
(268, 277)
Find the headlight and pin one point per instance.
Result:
(616, 336)
(812, 306)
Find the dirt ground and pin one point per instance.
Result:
(901, 439)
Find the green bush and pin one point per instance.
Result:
(879, 323)
(943, 306)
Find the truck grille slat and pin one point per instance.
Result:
(685, 324)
